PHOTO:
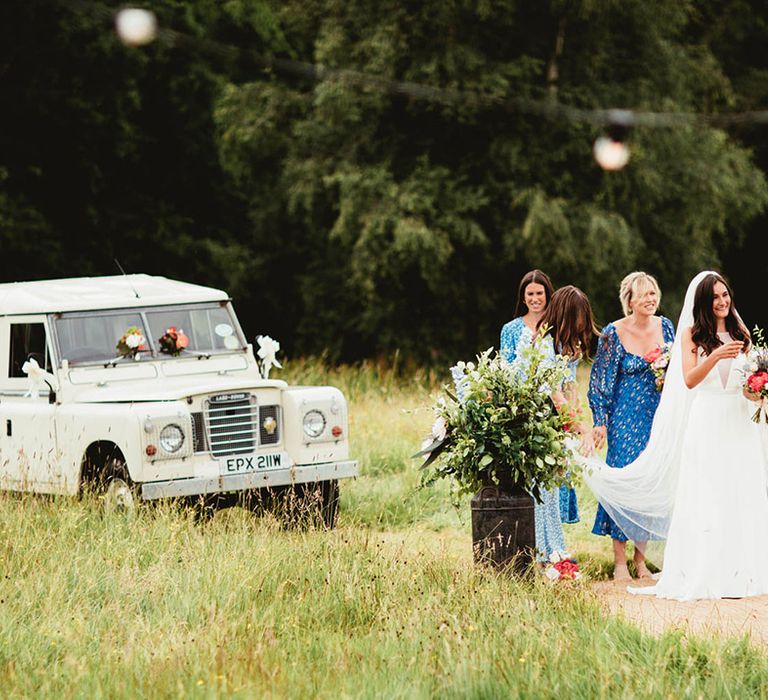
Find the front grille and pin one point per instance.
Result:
(198, 432)
(231, 420)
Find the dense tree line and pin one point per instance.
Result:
(347, 218)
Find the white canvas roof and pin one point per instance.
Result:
(86, 293)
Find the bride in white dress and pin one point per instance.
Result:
(702, 482)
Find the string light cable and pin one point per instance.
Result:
(138, 27)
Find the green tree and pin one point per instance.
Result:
(408, 221)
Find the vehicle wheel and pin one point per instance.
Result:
(329, 506)
(319, 503)
(119, 492)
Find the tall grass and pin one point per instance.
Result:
(388, 605)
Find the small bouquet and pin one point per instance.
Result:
(173, 341)
(756, 382)
(562, 567)
(658, 361)
(131, 343)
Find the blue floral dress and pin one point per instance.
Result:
(623, 397)
(515, 335)
(558, 505)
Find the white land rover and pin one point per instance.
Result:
(146, 387)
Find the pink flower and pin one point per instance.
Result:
(757, 381)
(653, 355)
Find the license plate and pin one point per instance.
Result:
(245, 464)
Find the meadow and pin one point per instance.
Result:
(387, 605)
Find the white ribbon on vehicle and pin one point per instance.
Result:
(37, 377)
(268, 349)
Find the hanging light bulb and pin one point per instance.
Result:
(610, 151)
(136, 27)
(610, 154)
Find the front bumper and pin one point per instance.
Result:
(297, 474)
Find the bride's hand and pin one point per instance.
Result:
(587, 444)
(751, 395)
(728, 350)
(599, 433)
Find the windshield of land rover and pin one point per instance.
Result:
(194, 330)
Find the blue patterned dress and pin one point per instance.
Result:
(558, 505)
(623, 397)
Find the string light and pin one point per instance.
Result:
(611, 151)
(145, 30)
(136, 27)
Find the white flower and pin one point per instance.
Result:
(558, 556)
(552, 573)
(133, 340)
(470, 366)
(268, 349)
(37, 377)
(460, 365)
(439, 428)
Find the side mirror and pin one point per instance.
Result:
(51, 393)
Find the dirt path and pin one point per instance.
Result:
(706, 618)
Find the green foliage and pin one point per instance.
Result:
(428, 212)
(349, 218)
(504, 427)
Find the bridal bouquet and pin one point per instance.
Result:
(173, 341)
(658, 361)
(131, 342)
(504, 427)
(757, 375)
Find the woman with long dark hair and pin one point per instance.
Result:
(702, 481)
(533, 296)
(568, 329)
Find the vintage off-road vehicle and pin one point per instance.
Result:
(145, 387)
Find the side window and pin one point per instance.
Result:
(27, 340)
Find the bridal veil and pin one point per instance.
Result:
(640, 496)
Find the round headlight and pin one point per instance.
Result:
(314, 423)
(171, 438)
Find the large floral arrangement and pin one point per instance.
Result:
(502, 426)
(173, 341)
(131, 343)
(756, 381)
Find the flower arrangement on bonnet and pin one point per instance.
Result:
(131, 343)
(173, 342)
(501, 425)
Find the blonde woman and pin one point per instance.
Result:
(623, 395)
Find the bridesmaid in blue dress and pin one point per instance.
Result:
(623, 395)
(533, 296)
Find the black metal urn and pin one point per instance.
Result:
(503, 527)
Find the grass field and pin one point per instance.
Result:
(388, 605)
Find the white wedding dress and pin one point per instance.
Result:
(717, 533)
(701, 483)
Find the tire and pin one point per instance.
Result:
(329, 506)
(119, 493)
